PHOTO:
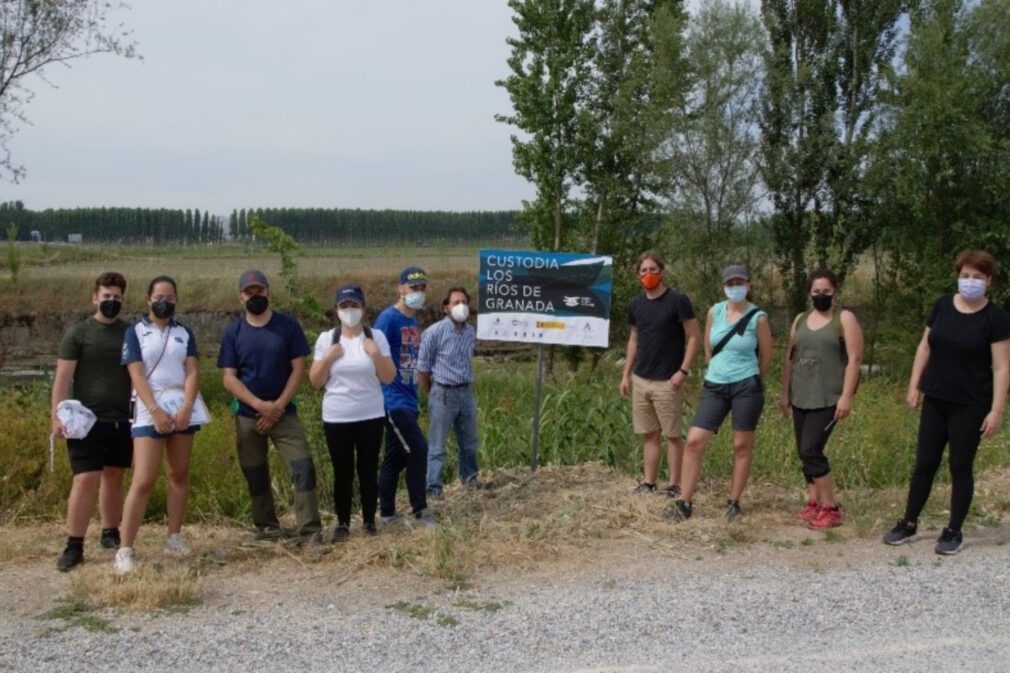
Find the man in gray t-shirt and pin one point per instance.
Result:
(88, 368)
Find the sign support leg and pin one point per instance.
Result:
(535, 440)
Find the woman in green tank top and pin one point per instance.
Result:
(818, 383)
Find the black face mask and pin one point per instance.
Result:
(163, 309)
(110, 308)
(256, 304)
(822, 302)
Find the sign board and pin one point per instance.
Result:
(544, 297)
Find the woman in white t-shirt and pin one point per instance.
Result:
(351, 369)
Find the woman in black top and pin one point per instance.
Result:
(962, 367)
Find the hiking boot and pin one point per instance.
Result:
(678, 511)
(903, 532)
(269, 533)
(341, 533)
(672, 491)
(478, 485)
(71, 556)
(110, 538)
(426, 519)
(370, 528)
(644, 488)
(391, 519)
(434, 494)
(124, 561)
(950, 542)
(809, 511)
(733, 510)
(176, 546)
(827, 517)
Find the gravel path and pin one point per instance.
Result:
(850, 606)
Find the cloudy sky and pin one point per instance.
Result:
(309, 103)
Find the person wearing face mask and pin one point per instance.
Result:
(406, 446)
(351, 362)
(445, 372)
(820, 377)
(738, 346)
(662, 345)
(160, 354)
(88, 370)
(961, 369)
(262, 359)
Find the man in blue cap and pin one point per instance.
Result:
(406, 446)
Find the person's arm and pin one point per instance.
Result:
(918, 366)
(384, 367)
(707, 341)
(629, 362)
(692, 335)
(853, 336)
(1000, 380)
(325, 356)
(163, 423)
(426, 356)
(61, 391)
(765, 345)
(787, 367)
(233, 384)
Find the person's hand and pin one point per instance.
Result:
(912, 399)
(991, 424)
(677, 380)
(264, 423)
(334, 352)
(58, 428)
(371, 348)
(625, 386)
(784, 403)
(162, 421)
(270, 410)
(182, 416)
(843, 408)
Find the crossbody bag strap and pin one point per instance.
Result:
(738, 328)
(164, 347)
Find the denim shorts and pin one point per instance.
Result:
(150, 431)
(744, 398)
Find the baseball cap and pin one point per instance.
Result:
(252, 277)
(735, 271)
(350, 293)
(413, 275)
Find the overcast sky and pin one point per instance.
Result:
(306, 103)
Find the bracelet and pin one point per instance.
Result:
(685, 372)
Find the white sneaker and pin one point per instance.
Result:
(176, 545)
(124, 561)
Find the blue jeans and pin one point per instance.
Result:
(451, 408)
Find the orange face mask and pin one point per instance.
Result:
(650, 281)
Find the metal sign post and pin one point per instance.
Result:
(535, 440)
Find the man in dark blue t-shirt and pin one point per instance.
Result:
(263, 359)
(406, 446)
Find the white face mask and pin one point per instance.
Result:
(349, 317)
(460, 312)
(971, 289)
(735, 293)
(414, 300)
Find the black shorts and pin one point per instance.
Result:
(745, 398)
(107, 445)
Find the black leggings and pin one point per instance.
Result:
(941, 423)
(343, 439)
(813, 427)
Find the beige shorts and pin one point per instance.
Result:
(656, 405)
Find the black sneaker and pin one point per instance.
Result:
(949, 542)
(678, 511)
(340, 534)
(903, 532)
(733, 510)
(269, 533)
(110, 538)
(672, 491)
(71, 556)
(645, 487)
(370, 528)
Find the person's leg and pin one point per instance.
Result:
(670, 410)
(118, 457)
(933, 436)
(814, 427)
(646, 423)
(146, 464)
(178, 451)
(81, 502)
(289, 438)
(465, 424)
(393, 463)
(368, 440)
(799, 419)
(963, 426)
(340, 442)
(410, 437)
(743, 455)
(747, 401)
(439, 422)
(694, 451)
(252, 458)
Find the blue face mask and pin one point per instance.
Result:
(971, 289)
(735, 293)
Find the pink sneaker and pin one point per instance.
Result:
(827, 517)
(808, 513)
